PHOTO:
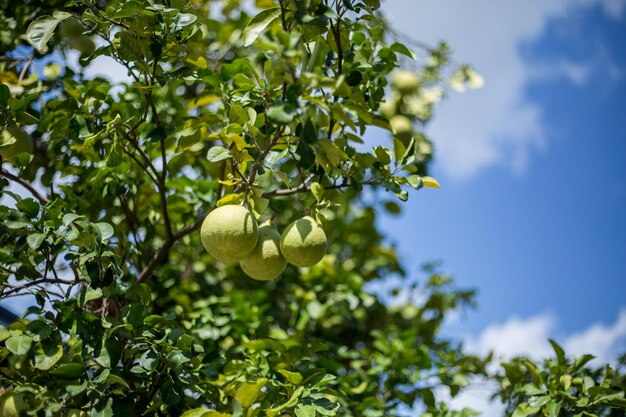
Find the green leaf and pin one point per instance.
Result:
(105, 229)
(218, 153)
(41, 29)
(325, 406)
(114, 379)
(29, 206)
(203, 412)
(68, 371)
(399, 150)
(305, 411)
(247, 393)
(294, 378)
(115, 157)
(524, 410)
(272, 412)
(5, 94)
(382, 155)
(183, 20)
(47, 354)
(103, 408)
(415, 181)
(258, 24)
(4, 333)
(318, 191)
(282, 113)
(19, 344)
(402, 49)
(560, 353)
(35, 240)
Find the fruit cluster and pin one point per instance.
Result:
(231, 234)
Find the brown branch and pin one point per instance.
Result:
(145, 168)
(283, 16)
(257, 164)
(162, 196)
(100, 15)
(43, 200)
(163, 250)
(15, 289)
(302, 188)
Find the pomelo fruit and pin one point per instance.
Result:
(389, 107)
(229, 233)
(303, 242)
(406, 82)
(402, 127)
(265, 262)
(12, 403)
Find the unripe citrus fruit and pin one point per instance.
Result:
(265, 262)
(229, 233)
(303, 242)
(402, 127)
(11, 404)
(389, 107)
(406, 82)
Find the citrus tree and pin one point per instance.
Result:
(137, 308)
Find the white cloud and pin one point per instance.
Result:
(529, 337)
(605, 342)
(514, 337)
(495, 125)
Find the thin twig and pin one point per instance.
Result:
(259, 161)
(302, 188)
(163, 250)
(43, 200)
(34, 283)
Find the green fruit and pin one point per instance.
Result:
(229, 233)
(19, 142)
(406, 82)
(265, 262)
(303, 242)
(389, 107)
(12, 403)
(402, 127)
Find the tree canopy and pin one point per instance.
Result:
(269, 105)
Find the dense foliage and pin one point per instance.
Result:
(263, 104)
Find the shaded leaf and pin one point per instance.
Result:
(258, 25)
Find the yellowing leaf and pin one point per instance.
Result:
(247, 393)
(230, 199)
(430, 182)
(199, 62)
(203, 101)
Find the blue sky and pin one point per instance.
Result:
(532, 212)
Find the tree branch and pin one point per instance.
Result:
(260, 159)
(163, 250)
(43, 200)
(302, 188)
(18, 288)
